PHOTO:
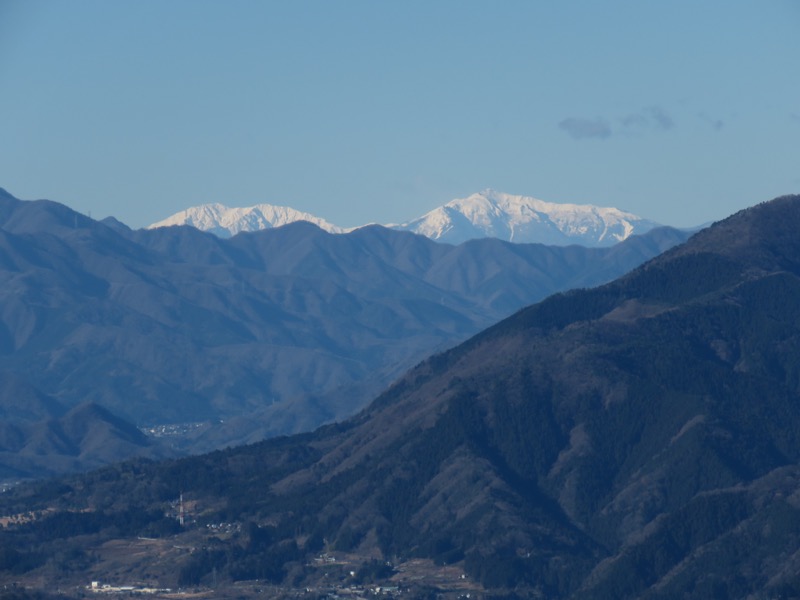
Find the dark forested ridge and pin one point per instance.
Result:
(636, 440)
(271, 332)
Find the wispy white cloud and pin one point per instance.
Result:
(716, 123)
(660, 117)
(581, 128)
(652, 118)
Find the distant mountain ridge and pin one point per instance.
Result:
(273, 332)
(41, 437)
(523, 219)
(225, 221)
(637, 440)
(512, 218)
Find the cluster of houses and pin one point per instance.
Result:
(97, 587)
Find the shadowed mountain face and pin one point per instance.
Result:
(640, 439)
(272, 332)
(41, 437)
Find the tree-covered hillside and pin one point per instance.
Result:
(231, 341)
(636, 440)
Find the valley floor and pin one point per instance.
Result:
(117, 569)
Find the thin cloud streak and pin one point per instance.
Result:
(660, 117)
(652, 118)
(581, 128)
(716, 124)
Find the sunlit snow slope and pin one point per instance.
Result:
(508, 217)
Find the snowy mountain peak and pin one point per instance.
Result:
(489, 213)
(226, 221)
(526, 220)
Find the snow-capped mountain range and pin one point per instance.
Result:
(489, 213)
(225, 221)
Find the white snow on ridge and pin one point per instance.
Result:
(225, 221)
(489, 213)
(525, 219)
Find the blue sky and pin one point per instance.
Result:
(377, 111)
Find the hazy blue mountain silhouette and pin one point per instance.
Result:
(640, 439)
(271, 332)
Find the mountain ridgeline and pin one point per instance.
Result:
(513, 218)
(265, 333)
(636, 440)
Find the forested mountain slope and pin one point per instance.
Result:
(265, 333)
(636, 440)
